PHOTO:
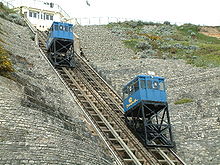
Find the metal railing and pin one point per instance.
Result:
(83, 20)
(101, 20)
(107, 20)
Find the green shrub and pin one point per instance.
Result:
(183, 101)
(11, 15)
(207, 56)
(185, 42)
(131, 44)
(5, 64)
(6, 10)
(167, 23)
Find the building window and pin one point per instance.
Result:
(35, 15)
(47, 17)
(30, 14)
(41, 16)
(51, 17)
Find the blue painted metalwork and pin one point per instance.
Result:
(60, 44)
(144, 88)
(146, 110)
(60, 30)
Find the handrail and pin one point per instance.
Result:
(33, 30)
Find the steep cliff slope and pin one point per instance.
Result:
(196, 125)
(40, 123)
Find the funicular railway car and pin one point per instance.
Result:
(60, 44)
(146, 110)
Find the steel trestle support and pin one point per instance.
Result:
(61, 53)
(151, 123)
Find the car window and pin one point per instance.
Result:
(56, 27)
(143, 84)
(66, 28)
(149, 84)
(155, 85)
(61, 27)
(162, 86)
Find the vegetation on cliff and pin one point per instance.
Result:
(11, 15)
(6, 66)
(155, 40)
(183, 101)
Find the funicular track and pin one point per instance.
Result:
(104, 106)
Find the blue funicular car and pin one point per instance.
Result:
(144, 88)
(146, 110)
(60, 44)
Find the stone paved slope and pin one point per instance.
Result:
(39, 121)
(103, 40)
(196, 125)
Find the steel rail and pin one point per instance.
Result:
(42, 42)
(43, 51)
(108, 109)
(117, 115)
(116, 122)
(105, 121)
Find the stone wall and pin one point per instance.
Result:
(40, 123)
(196, 125)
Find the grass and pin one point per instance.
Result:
(183, 101)
(131, 24)
(188, 29)
(132, 44)
(206, 61)
(209, 53)
(6, 66)
(206, 55)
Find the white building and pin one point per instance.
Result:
(41, 14)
